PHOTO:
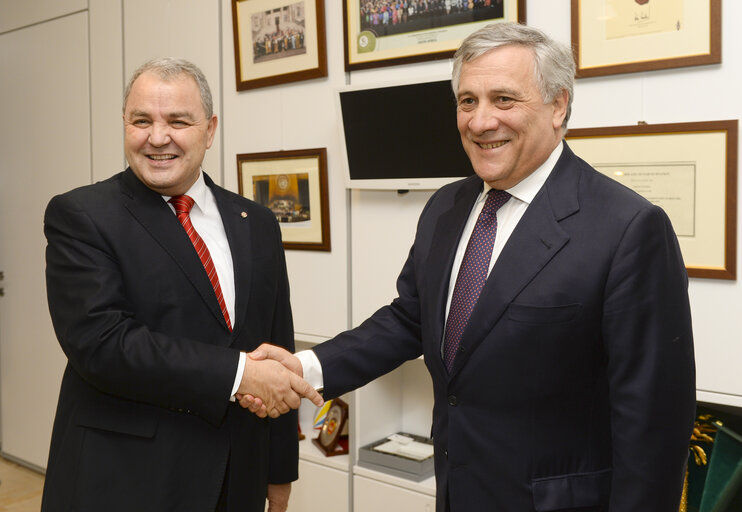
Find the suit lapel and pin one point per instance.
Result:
(534, 242)
(149, 209)
(237, 227)
(443, 247)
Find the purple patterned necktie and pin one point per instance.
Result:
(472, 273)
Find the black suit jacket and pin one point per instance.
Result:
(143, 421)
(574, 384)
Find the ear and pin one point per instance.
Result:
(560, 108)
(211, 130)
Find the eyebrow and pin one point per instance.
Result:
(171, 115)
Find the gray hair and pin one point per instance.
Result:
(168, 68)
(554, 65)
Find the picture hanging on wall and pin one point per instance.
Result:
(278, 41)
(688, 169)
(626, 36)
(385, 32)
(292, 184)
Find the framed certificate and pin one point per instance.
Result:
(626, 36)
(688, 169)
(384, 33)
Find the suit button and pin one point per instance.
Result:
(452, 400)
(462, 349)
(445, 453)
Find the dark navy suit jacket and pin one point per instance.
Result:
(574, 386)
(143, 422)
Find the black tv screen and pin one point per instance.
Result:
(402, 137)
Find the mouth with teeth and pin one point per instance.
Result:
(493, 145)
(161, 157)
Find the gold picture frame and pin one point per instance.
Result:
(375, 36)
(627, 36)
(293, 184)
(689, 169)
(278, 41)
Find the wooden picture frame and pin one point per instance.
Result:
(689, 169)
(293, 184)
(611, 37)
(330, 438)
(412, 36)
(278, 41)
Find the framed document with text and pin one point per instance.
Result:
(626, 36)
(382, 33)
(688, 169)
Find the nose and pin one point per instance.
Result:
(159, 134)
(484, 118)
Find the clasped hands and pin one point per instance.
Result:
(272, 383)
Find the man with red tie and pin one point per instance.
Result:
(159, 282)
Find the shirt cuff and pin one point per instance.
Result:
(312, 369)
(238, 377)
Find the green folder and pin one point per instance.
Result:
(722, 491)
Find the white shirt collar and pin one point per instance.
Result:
(527, 189)
(197, 192)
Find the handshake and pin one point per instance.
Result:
(272, 382)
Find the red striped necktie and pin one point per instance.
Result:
(183, 205)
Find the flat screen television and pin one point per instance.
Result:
(402, 137)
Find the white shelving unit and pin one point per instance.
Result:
(401, 401)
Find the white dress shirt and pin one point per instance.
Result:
(207, 221)
(508, 217)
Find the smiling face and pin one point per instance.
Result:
(506, 128)
(166, 132)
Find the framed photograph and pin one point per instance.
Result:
(293, 184)
(626, 36)
(278, 41)
(384, 33)
(688, 169)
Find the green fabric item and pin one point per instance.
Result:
(723, 489)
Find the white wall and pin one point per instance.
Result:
(371, 231)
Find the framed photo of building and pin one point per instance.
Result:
(292, 184)
(688, 169)
(278, 41)
(626, 36)
(384, 33)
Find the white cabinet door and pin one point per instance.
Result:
(373, 496)
(319, 489)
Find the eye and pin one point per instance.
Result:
(179, 123)
(140, 122)
(504, 101)
(467, 103)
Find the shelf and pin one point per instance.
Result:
(718, 398)
(426, 486)
(308, 451)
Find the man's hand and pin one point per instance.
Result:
(280, 354)
(279, 389)
(278, 497)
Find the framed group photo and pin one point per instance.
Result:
(626, 36)
(293, 185)
(688, 169)
(278, 41)
(389, 32)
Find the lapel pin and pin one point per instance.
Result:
(243, 215)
